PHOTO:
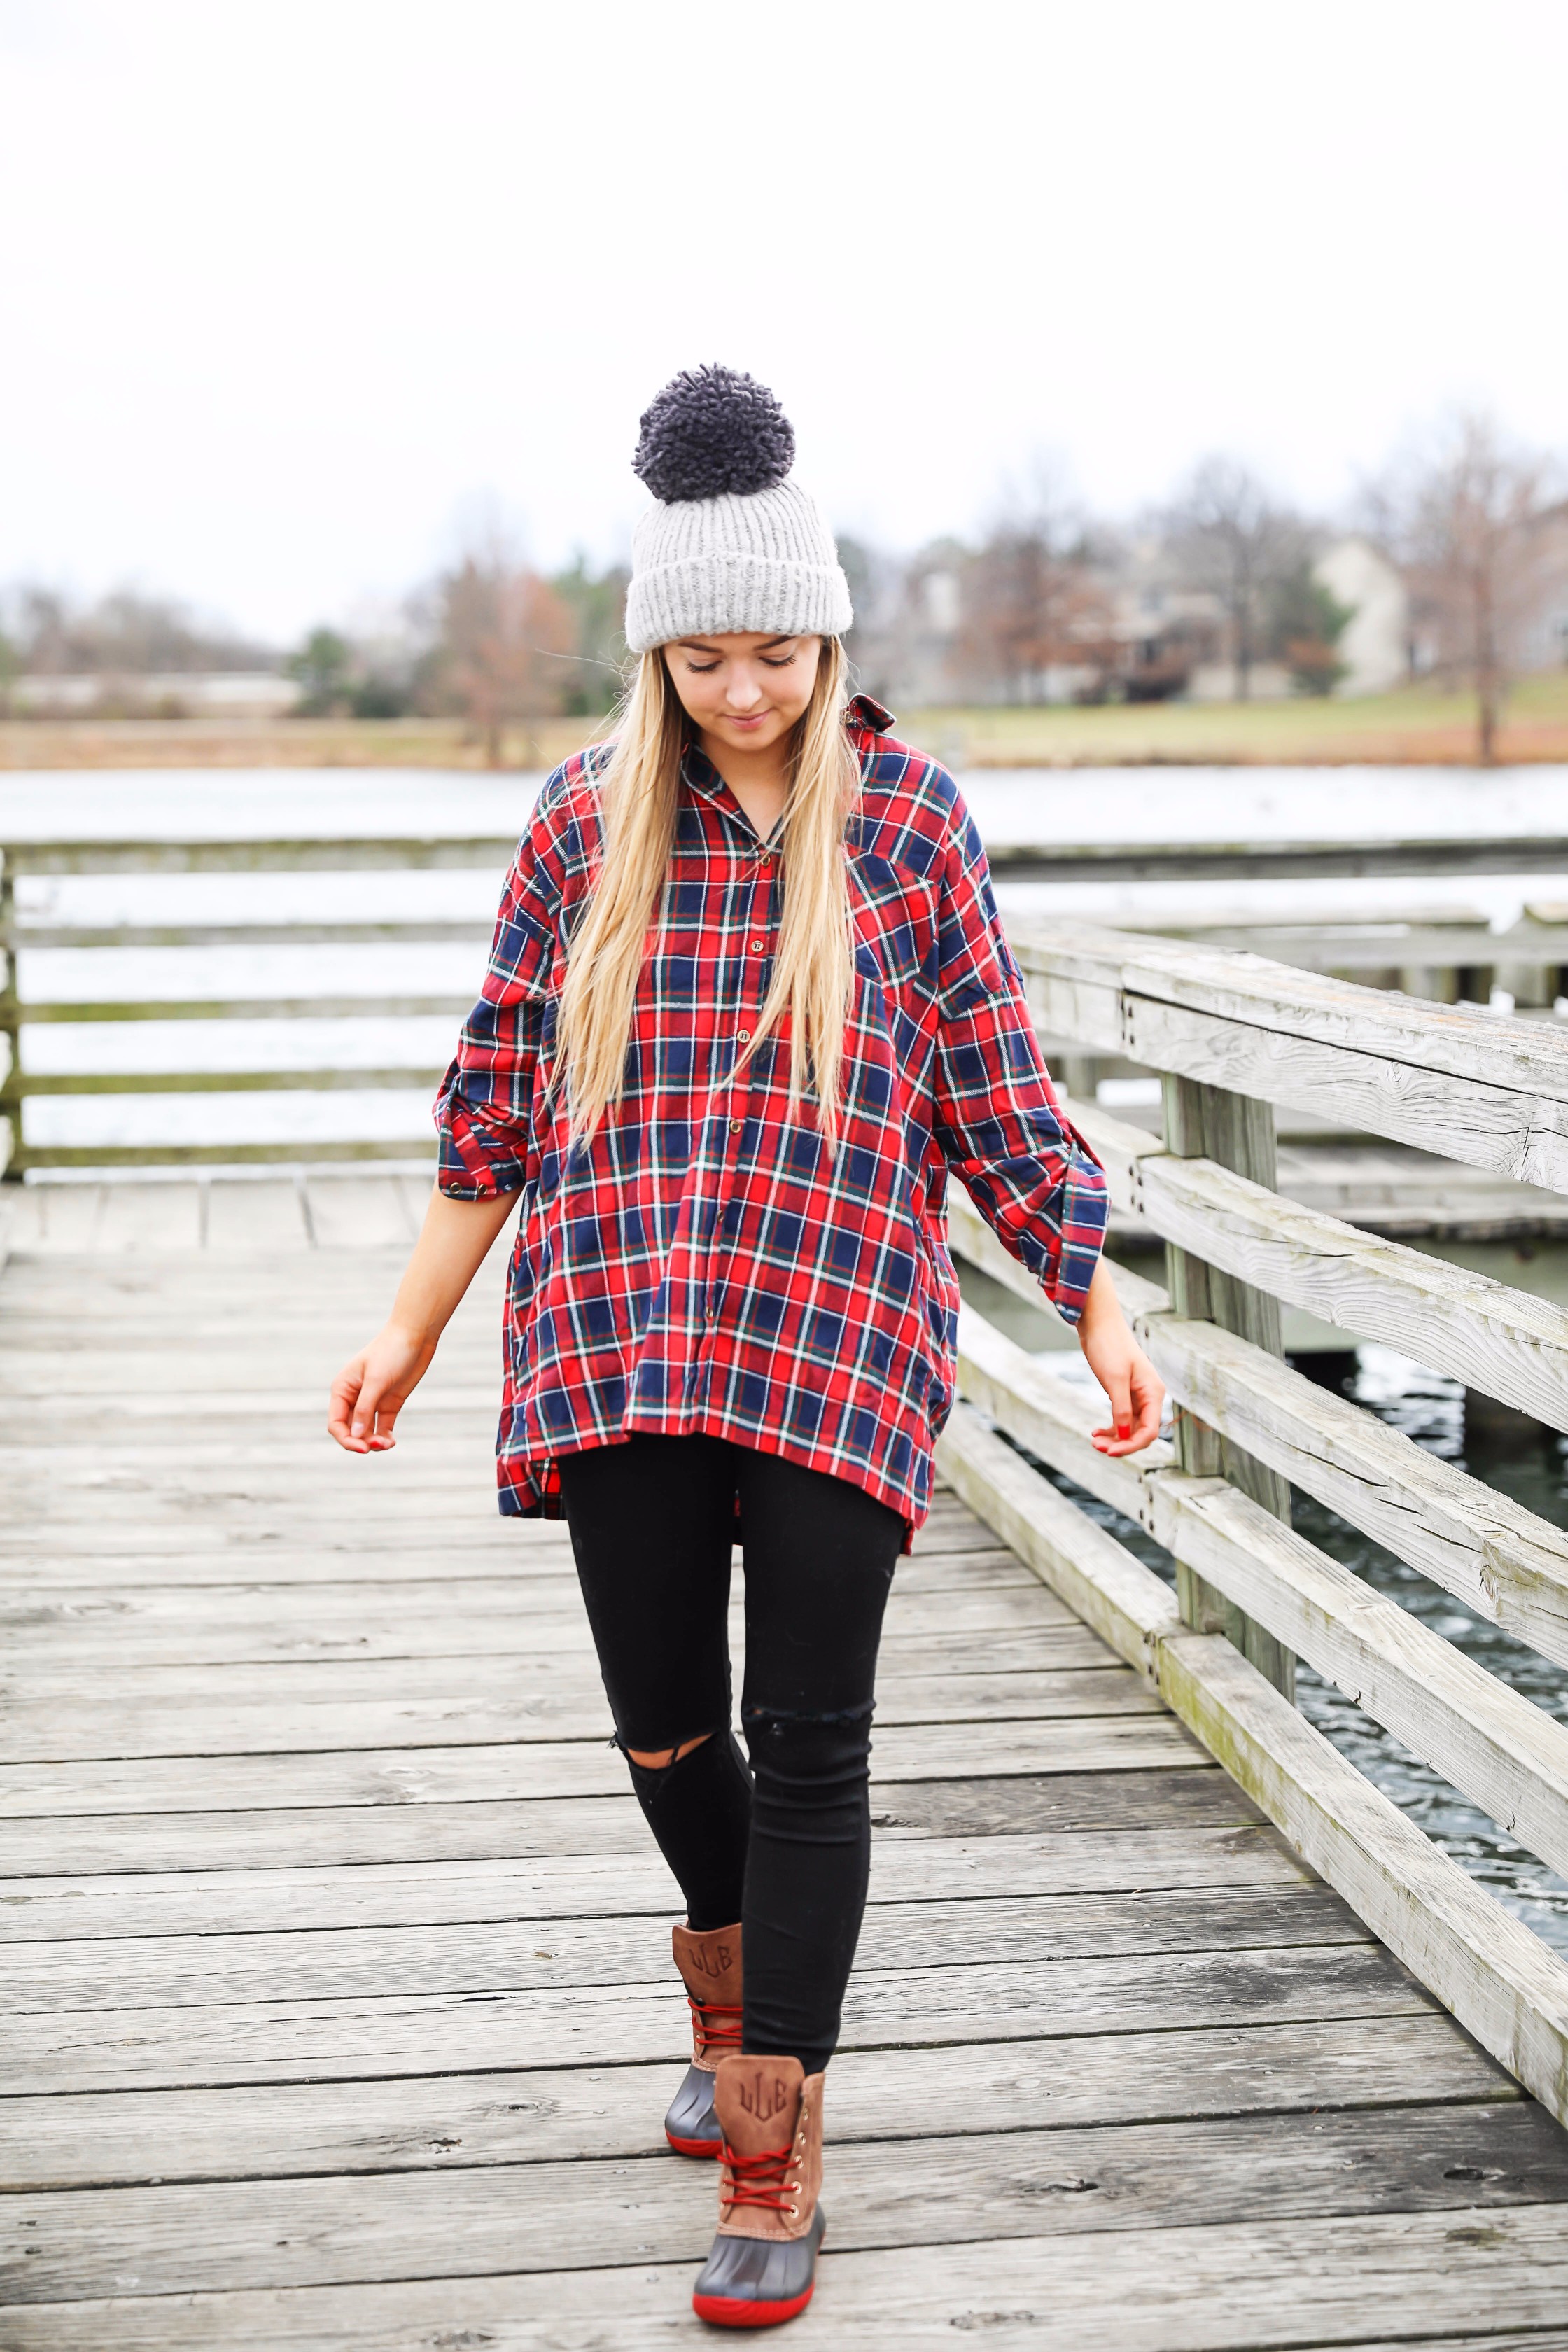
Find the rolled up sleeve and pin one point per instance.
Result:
(485, 1110)
(998, 1123)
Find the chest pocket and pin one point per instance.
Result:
(895, 946)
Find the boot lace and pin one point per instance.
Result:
(710, 2033)
(760, 2179)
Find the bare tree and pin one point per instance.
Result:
(1227, 534)
(1031, 602)
(125, 634)
(1461, 511)
(501, 634)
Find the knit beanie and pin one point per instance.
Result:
(729, 544)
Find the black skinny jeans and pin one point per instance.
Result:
(788, 1855)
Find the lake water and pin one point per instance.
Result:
(1131, 805)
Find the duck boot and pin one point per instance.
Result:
(763, 2265)
(710, 1968)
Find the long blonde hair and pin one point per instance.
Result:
(814, 967)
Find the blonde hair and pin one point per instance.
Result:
(814, 967)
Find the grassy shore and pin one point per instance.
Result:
(1416, 727)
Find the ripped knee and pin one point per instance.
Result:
(659, 1759)
(855, 1721)
(816, 1755)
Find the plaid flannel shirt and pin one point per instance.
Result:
(701, 1264)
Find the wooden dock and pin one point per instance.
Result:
(340, 2015)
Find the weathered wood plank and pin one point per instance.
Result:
(286, 1837)
(285, 2040)
(574, 1708)
(39, 1412)
(554, 1768)
(265, 1213)
(593, 1885)
(281, 1837)
(486, 1535)
(1446, 1077)
(248, 1221)
(1066, 1648)
(1517, 1134)
(1113, 2179)
(175, 1458)
(446, 2123)
(63, 1554)
(165, 1382)
(169, 1971)
(1289, 2282)
(244, 1625)
(945, 1565)
(150, 1217)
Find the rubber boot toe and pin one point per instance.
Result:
(690, 2126)
(757, 2281)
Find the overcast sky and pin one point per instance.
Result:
(293, 287)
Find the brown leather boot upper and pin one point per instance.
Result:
(709, 1969)
(770, 2172)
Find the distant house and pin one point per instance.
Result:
(1545, 632)
(1375, 643)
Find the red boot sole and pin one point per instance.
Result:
(725, 2311)
(707, 2147)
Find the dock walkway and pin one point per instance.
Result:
(339, 2009)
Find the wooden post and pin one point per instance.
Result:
(10, 1031)
(1204, 1122)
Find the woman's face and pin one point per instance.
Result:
(746, 691)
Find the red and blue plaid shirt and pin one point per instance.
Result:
(701, 1264)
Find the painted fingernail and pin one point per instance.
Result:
(1124, 1429)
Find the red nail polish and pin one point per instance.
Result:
(1124, 1429)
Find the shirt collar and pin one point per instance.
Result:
(866, 716)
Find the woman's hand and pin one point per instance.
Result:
(1136, 1393)
(373, 1386)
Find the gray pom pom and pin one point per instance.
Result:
(711, 431)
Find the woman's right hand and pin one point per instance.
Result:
(373, 1386)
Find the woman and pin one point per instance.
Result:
(748, 1002)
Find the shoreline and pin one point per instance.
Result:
(1420, 727)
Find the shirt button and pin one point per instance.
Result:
(734, 1127)
(759, 947)
(743, 1035)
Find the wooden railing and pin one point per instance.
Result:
(1437, 952)
(18, 1083)
(1234, 1035)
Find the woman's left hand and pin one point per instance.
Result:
(1135, 1390)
